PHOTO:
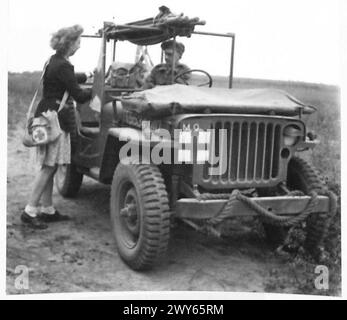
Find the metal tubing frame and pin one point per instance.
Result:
(114, 51)
(226, 35)
(91, 36)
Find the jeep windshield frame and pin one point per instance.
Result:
(144, 33)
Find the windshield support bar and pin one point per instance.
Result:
(228, 35)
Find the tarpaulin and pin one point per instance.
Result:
(177, 98)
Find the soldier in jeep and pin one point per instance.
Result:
(162, 73)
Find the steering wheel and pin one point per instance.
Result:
(209, 82)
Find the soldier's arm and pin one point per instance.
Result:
(150, 80)
(185, 77)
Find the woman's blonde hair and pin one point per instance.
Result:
(62, 40)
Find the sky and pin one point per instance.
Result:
(275, 39)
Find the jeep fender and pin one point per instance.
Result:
(116, 139)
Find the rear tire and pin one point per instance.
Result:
(68, 180)
(140, 214)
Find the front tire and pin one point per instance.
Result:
(304, 177)
(301, 176)
(140, 214)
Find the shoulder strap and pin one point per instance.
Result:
(31, 111)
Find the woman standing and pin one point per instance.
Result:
(58, 78)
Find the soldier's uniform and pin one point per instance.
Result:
(161, 74)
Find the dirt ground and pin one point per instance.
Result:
(80, 255)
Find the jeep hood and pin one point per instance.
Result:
(177, 99)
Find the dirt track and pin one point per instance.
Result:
(80, 255)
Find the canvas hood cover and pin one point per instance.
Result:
(176, 99)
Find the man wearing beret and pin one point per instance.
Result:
(161, 74)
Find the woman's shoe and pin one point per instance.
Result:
(32, 222)
(56, 217)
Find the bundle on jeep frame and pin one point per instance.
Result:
(150, 31)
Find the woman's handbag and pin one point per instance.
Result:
(45, 128)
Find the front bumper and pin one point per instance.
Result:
(191, 208)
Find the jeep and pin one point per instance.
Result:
(195, 153)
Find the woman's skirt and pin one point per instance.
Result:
(57, 152)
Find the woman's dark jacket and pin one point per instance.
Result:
(60, 76)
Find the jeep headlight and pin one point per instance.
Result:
(291, 135)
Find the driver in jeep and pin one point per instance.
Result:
(161, 74)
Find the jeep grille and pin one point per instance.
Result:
(253, 155)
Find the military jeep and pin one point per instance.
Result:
(196, 153)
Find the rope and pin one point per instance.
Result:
(219, 196)
(267, 215)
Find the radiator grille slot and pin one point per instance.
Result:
(253, 151)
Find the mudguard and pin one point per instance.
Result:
(127, 134)
(118, 137)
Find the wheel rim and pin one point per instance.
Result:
(129, 216)
(61, 174)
